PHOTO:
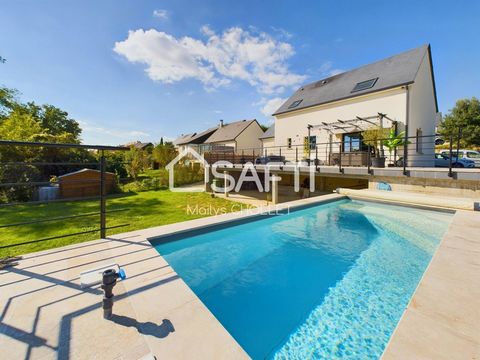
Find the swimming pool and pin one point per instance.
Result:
(328, 281)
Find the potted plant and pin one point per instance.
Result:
(375, 137)
(394, 140)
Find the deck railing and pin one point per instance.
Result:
(44, 171)
(419, 151)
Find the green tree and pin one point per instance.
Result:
(115, 163)
(466, 115)
(164, 153)
(137, 161)
(8, 101)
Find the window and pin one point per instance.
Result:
(289, 143)
(295, 104)
(473, 154)
(353, 142)
(364, 85)
(313, 142)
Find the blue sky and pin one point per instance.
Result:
(135, 69)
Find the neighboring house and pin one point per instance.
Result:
(84, 183)
(193, 141)
(268, 138)
(235, 137)
(396, 91)
(140, 145)
(181, 140)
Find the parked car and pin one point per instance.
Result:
(262, 160)
(442, 160)
(466, 154)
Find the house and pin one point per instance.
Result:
(235, 137)
(396, 92)
(84, 183)
(193, 141)
(268, 138)
(140, 145)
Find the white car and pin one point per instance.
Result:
(466, 154)
(442, 160)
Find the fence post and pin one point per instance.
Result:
(450, 154)
(405, 151)
(340, 159)
(103, 213)
(369, 159)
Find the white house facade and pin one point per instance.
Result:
(395, 92)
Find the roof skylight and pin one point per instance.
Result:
(364, 85)
(295, 104)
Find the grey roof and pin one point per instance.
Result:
(230, 131)
(392, 72)
(196, 138)
(183, 139)
(270, 133)
(138, 144)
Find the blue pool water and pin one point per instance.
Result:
(324, 282)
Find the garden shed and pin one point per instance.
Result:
(84, 183)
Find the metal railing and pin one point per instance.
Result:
(419, 151)
(99, 185)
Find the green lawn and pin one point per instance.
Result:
(146, 209)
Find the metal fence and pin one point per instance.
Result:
(420, 151)
(55, 168)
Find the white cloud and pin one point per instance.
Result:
(92, 131)
(327, 69)
(217, 111)
(283, 32)
(161, 14)
(235, 54)
(207, 31)
(270, 106)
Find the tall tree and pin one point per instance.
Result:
(8, 101)
(466, 115)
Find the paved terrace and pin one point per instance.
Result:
(44, 314)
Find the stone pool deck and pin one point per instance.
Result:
(442, 320)
(45, 314)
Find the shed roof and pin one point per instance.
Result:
(74, 173)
